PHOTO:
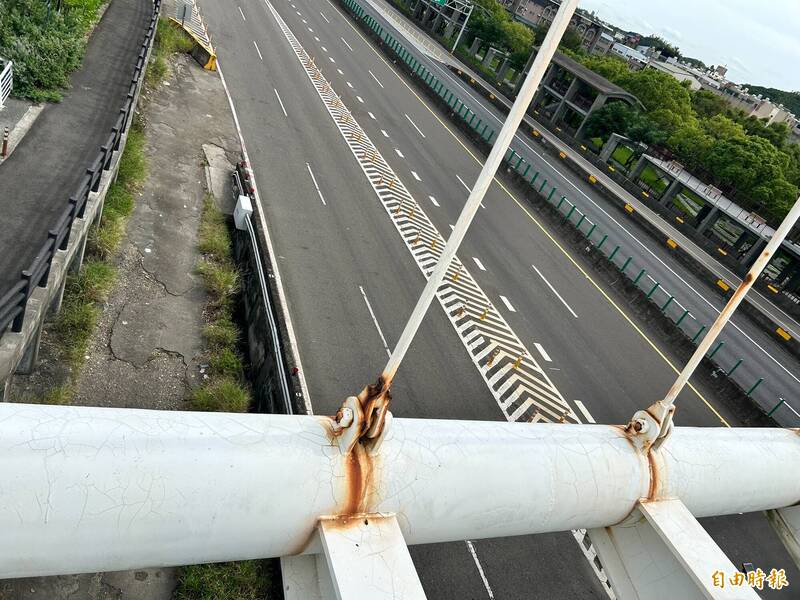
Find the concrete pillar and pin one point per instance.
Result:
(709, 220)
(598, 102)
(28, 362)
(572, 89)
(487, 60)
(452, 24)
(5, 387)
(671, 191)
(436, 22)
(639, 167)
(753, 253)
(501, 72)
(476, 46)
(609, 147)
(55, 305)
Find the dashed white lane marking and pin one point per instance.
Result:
(314, 179)
(479, 263)
(383, 131)
(278, 96)
(360, 99)
(400, 154)
(324, 17)
(330, 58)
(433, 200)
(417, 177)
(375, 320)
(304, 22)
(298, 13)
(371, 116)
(316, 39)
(324, 49)
(310, 30)
(585, 412)
(564, 302)
(257, 50)
(419, 131)
(543, 352)
(346, 44)
(241, 13)
(340, 71)
(469, 189)
(350, 85)
(520, 386)
(480, 570)
(375, 78)
(508, 304)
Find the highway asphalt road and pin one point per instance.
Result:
(351, 282)
(47, 165)
(762, 356)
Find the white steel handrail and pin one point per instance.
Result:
(97, 489)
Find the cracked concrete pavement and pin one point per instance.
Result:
(147, 351)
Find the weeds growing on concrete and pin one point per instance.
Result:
(224, 391)
(169, 39)
(245, 580)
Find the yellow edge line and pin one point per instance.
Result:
(547, 233)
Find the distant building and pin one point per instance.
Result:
(721, 71)
(538, 13)
(603, 45)
(675, 70)
(635, 59)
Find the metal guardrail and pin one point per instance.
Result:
(14, 302)
(185, 14)
(6, 81)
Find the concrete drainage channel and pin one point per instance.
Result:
(652, 303)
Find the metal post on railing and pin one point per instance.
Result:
(4, 152)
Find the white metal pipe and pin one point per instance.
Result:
(463, 27)
(727, 312)
(94, 489)
(507, 133)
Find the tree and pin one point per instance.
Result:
(571, 40)
(614, 117)
(721, 127)
(611, 67)
(708, 104)
(691, 144)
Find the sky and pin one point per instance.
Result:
(759, 42)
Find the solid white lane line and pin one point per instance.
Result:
(346, 44)
(452, 227)
(383, 131)
(375, 78)
(564, 302)
(419, 131)
(480, 570)
(241, 13)
(414, 173)
(350, 85)
(257, 50)
(479, 263)
(507, 303)
(278, 96)
(400, 154)
(324, 17)
(543, 352)
(360, 99)
(585, 412)
(375, 320)
(435, 203)
(314, 179)
(467, 188)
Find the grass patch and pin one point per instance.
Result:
(245, 580)
(623, 155)
(653, 180)
(224, 391)
(169, 39)
(61, 395)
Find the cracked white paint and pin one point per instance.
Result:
(93, 489)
